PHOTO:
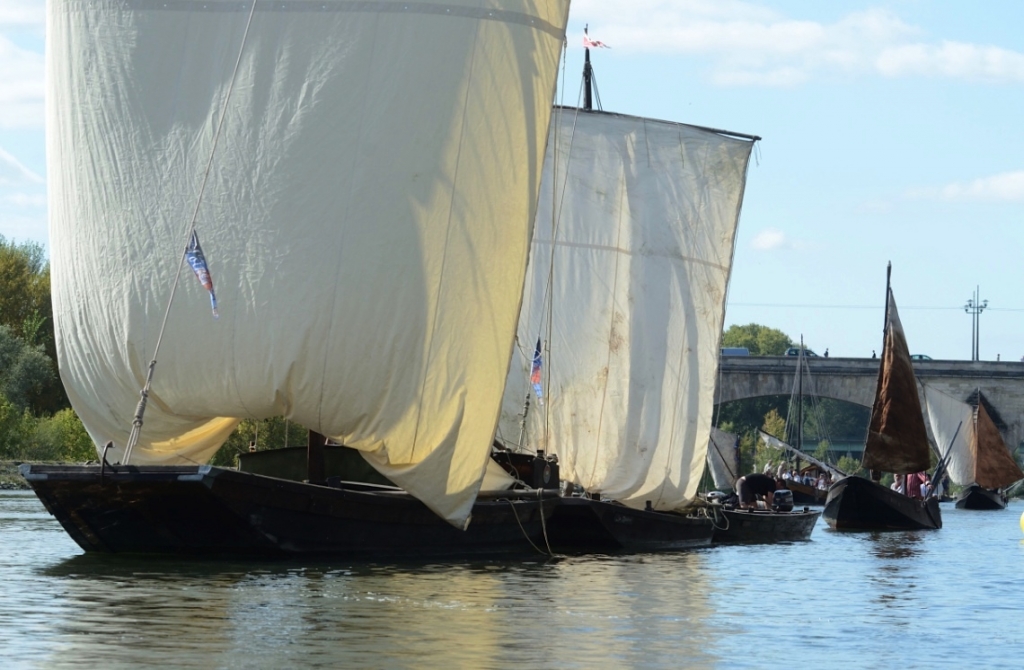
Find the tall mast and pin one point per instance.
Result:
(588, 93)
(800, 397)
(885, 325)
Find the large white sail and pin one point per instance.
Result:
(366, 219)
(952, 423)
(626, 289)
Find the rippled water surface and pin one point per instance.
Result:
(944, 598)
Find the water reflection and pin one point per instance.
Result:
(841, 599)
(896, 545)
(576, 612)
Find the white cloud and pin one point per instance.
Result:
(21, 68)
(953, 59)
(22, 13)
(769, 239)
(13, 172)
(748, 44)
(1008, 187)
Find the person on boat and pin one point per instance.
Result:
(897, 484)
(926, 487)
(912, 487)
(754, 487)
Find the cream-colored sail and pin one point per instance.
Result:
(977, 453)
(723, 459)
(626, 290)
(952, 423)
(366, 220)
(897, 440)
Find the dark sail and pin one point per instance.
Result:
(994, 467)
(897, 440)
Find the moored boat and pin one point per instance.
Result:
(754, 526)
(584, 524)
(620, 328)
(211, 511)
(369, 259)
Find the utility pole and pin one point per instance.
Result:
(975, 306)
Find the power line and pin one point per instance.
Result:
(877, 307)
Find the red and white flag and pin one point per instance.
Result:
(593, 44)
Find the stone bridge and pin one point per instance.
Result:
(854, 379)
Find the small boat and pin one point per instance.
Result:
(804, 494)
(755, 526)
(369, 256)
(976, 456)
(620, 327)
(980, 498)
(897, 442)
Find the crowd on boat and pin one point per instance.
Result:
(785, 473)
(914, 485)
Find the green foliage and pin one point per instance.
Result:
(16, 427)
(748, 415)
(749, 455)
(774, 424)
(64, 437)
(850, 466)
(26, 311)
(60, 437)
(822, 451)
(25, 371)
(24, 288)
(267, 433)
(760, 340)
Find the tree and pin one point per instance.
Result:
(26, 310)
(266, 433)
(760, 340)
(25, 291)
(25, 371)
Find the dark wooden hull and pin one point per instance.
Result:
(204, 510)
(978, 498)
(856, 503)
(806, 495)
(581, 525)
(756, 526)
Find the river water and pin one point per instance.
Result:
(953, 597)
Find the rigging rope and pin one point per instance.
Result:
(140, 410)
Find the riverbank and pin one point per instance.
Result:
(10, 478)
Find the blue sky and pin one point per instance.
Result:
(892, 131)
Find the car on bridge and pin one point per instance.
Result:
(920, 357)
(795, 351)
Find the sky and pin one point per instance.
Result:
(891, 131)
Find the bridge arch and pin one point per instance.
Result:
(854, 379)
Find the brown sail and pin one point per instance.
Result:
(994, 467)
(897, 440)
